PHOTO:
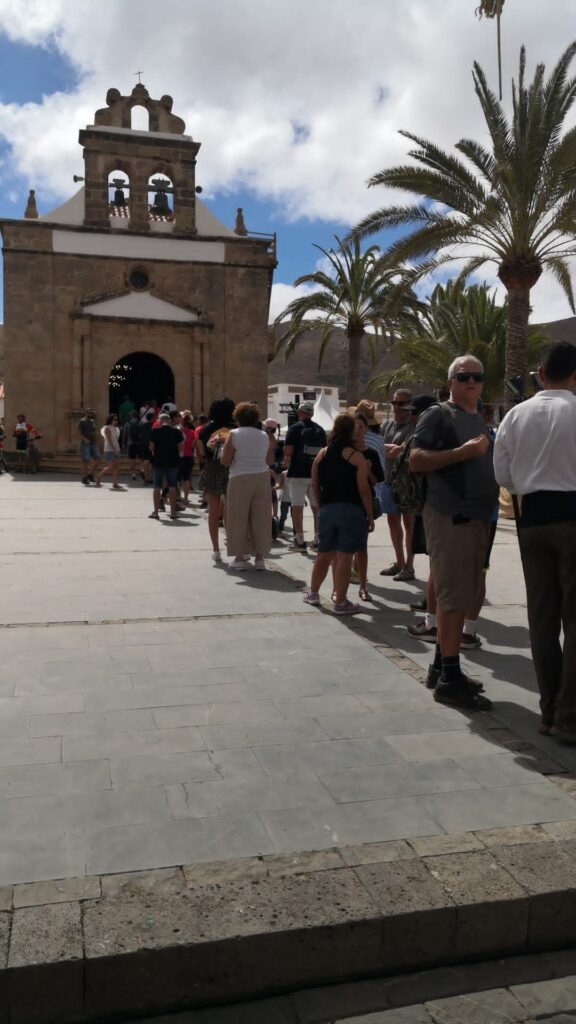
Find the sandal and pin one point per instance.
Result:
(153, 515)
(363, 593)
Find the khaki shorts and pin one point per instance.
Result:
(299, 488)
(457, 555)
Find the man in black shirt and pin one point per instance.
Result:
(89, 451)
(166, 447)
(303, 442)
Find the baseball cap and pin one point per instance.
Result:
(270, 424)
(368, 411)
(306, 407)
(421, 403)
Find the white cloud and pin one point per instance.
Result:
(302, 101)
(282, 294)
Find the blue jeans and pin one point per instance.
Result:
(164, 473)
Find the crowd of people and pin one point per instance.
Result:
(434, 469)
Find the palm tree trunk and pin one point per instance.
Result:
(353, 367)
(516, 364)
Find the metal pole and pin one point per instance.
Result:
(498, 12)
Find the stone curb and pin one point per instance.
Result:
(99, 949)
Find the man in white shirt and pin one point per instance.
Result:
(535, 456)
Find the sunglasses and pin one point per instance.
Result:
(464, 377)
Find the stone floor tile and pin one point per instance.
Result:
(46, 935)
(138, 847)
(440, 744)
(95, 809)
(403, 1015)
(41, 704)
(543, 998)
(377, 853)
(515, 835)
(66, 890)
(474, 877)
(501, 770)
(217, 713)
(493, 1007)
(163, 880)
(294, 730)
(396, 724)
(6, 892)
(28, 751)
(326, 755)
(539, 868)
(269, 793)
(434, 846)
(347, 825)
(129, 744)
(150, 696)
(162, 769)
(91, 722)
(378, 782)
(491, 808)
(337, 704)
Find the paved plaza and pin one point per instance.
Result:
(157, 711)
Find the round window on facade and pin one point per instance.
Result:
(139, 279)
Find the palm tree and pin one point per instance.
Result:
(456, 319)
(514, 202)
(358, 295)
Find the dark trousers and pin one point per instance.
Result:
(549, 563)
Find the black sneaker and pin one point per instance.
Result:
(460, 694)
(91, 478)
(433, 678)
(419, 606)
(86, 481)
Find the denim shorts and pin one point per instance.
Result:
(111, 456)
(164, 473)
(89, 450)
(342, 526)
(387, 503)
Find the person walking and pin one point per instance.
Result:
(342, 493)
(453, 447)
(187, 460)
(248, 453)
(89, 450)
(24, 434)
(165, 445)
(396, 433)
(535, 457)
(214, 479)
(303, 442)
(111, 435)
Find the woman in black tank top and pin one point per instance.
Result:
(341, 487)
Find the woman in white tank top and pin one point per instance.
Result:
(248, 452)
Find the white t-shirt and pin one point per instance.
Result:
(115, 434)
(535, 447)
(250, 450)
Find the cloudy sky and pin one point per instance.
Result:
(296, 103)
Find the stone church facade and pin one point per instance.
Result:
(132, 286)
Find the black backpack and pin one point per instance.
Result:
(409, 488)
(312, 441)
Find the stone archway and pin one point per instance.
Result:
(140, 376)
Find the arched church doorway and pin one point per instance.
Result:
(140, 376)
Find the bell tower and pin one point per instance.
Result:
(156, 190)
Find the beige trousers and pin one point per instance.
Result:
(249, 514)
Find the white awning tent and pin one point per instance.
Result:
(324, 412)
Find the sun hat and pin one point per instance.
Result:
(368, 411)
(270, 423)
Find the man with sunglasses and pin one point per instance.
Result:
(452, 445)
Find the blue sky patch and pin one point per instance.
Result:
(31, 72)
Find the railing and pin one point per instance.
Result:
(264, 234)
